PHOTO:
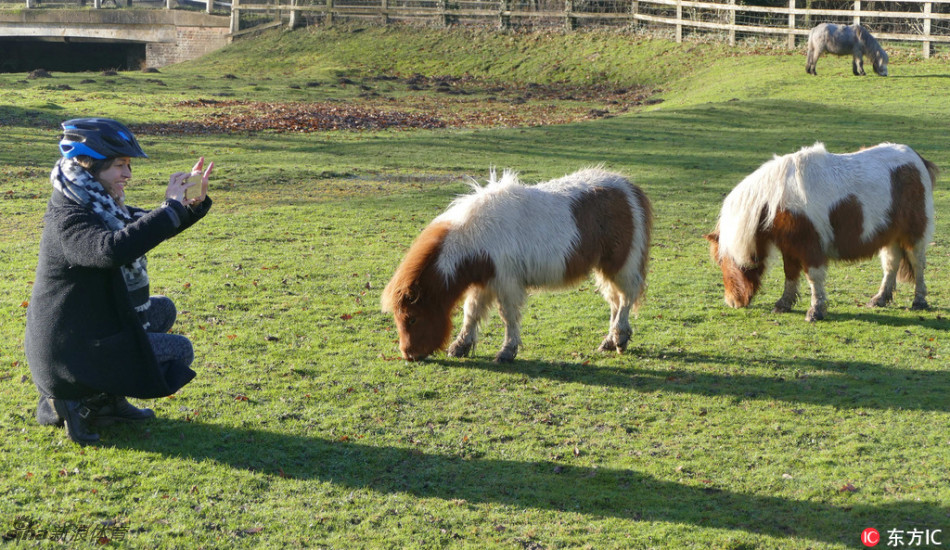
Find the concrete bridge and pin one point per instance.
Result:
(159, 36)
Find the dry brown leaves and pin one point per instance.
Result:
(445, 102)
(251, 116)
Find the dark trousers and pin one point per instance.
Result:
(173, 351)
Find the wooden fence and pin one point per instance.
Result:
(920, 21)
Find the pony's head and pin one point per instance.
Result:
(419, 297)
(422, 327)
(879, 59)
(873, 49)
(741, 283)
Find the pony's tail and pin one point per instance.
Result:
(906, 272)
(933, 171)
(647, 230)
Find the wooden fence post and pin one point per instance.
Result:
(444, 12)
(235, 16)
(857, 11)
(635, 11)
(504, 20)
(732, 22)
(679, 21)
(927, 12)
(791, 24)
(329, 17)
(568, 18)
(385, 12)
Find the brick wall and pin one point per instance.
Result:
(192, 42)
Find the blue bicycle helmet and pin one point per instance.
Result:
(99, 138)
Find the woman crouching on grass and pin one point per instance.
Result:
(93, 333)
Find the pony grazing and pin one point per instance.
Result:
(815, 206)
(853, 40)
(495, 243)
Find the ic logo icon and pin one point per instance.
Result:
(870, 537)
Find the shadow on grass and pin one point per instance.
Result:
(844, 384)
(543, 485)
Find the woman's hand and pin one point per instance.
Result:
(180, 182)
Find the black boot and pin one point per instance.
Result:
(46, 415)
(76, 416)
(115, 408)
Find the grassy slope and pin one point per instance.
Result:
(720, 428)
(520, 57)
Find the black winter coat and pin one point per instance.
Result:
(83, 336)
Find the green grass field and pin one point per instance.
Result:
(718, 428)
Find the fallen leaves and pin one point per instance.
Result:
(253, 116)
(443, 102)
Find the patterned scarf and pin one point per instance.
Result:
(76, 184)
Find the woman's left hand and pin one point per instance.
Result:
(180, 182)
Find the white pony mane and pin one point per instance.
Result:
(508, 177)
(767, 187)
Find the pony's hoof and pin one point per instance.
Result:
(814, 315)
(781, 308)
(607, 345)
(459, 349)
(505, 356)
(879, 301)
(919, 305)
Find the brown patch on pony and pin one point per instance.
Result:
(422, 298)
(797, 238)
(605, 223)
(907, 225)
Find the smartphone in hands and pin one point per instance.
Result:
(194, 191)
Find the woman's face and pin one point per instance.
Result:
(116, 176)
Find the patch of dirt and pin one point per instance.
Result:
(232, 116)
(443, 102)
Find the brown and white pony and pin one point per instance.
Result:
(815, 206)
(495, 243)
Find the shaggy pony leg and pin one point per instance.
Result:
(509, 306)
(793, 271)
(477, 303)
(819, 300)
(890, 262)
(857, 65)
(621, 291)
(913, 263)
(620, 331)
(812, 60)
